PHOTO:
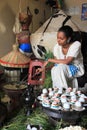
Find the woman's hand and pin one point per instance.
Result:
(45, 63)
(39, 70)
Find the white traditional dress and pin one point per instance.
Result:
(63, 74)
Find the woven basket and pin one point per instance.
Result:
(15, 59)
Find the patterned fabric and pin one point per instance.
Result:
(55, 64)
(73, 69)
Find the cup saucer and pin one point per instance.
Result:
(39, 98)
(79, 109)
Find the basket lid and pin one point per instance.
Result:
(15, 59)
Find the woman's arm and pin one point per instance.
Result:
(42, 68)
(62, 61)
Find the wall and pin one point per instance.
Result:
(10, 8)
(74, 8)
(8, 12)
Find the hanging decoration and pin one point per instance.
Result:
(15, 59)
(84, 11)
(25, 19)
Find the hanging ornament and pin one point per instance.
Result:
(15, 59)
(25, 19)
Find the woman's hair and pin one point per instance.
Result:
(69, 33)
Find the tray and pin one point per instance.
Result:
(70, 116)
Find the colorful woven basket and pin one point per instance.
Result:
(15, 59)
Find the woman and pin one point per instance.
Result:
(68, 58)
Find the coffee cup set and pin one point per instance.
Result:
(67, 100)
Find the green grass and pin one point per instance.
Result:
(17, 123)
(21, 120)
(41, 119)
(48, 81)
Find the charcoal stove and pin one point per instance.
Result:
(33, 77)
(34, 80)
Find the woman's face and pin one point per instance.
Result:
(61, 38)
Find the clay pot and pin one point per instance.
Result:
(13, 91)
